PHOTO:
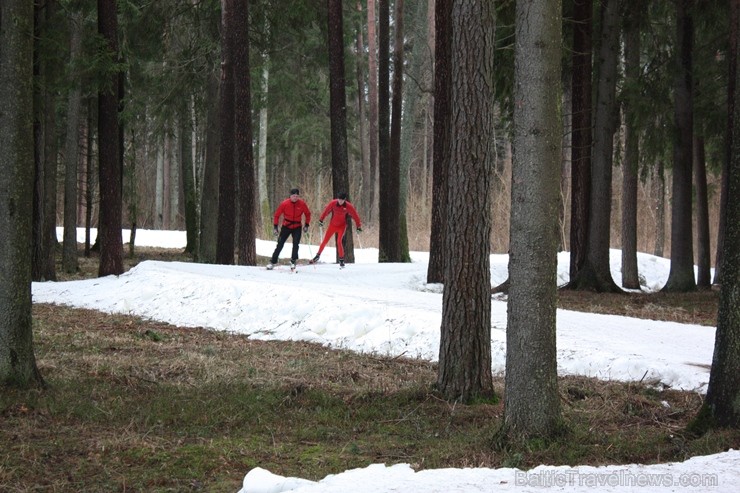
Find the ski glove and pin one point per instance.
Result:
(274, 230)
(359, 230)
(305, 228)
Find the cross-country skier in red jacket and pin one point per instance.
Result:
(339, 208)
(291, 209)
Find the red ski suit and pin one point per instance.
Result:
(292, 212)
(338, 223)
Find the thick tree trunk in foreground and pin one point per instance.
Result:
(17, 360)
(465, 343)
(532, 402)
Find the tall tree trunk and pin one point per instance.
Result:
(70, 262)
(109, 167)
(630, 278)
(595, 274)
(370, 195)
(465, 343)
(159, 189)
(438, 247)
(734, 14)
(391, 248)
(227, 188)
(723, 393)
(581, 133)
(387, 231)
(244, 154)
(17, 359)
(681, 276)
(532, 402)
(361, 110)
(264, 197)
(338, 113)
(703, 252)
(187, 174)
(209, 196)
(44, 204)
(90, 177)
(413, 121)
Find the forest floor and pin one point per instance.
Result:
(137, 405)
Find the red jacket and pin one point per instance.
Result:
(292, 212)
(339, 213)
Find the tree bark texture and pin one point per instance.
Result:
(703, 251)
(243, 151)
(465, 344)
(388, 228)
(370, 187)
(723, 394)
(338, 112)
(70, 262)
(681, 276)
(44, 202)
(734, 14)
(17, 360)
(398, 193)
(595, 274)
(630, 278)
(438, 248)
(211, 171)
(581, 138)
(227, 175)
(109, 162)
(531, 399)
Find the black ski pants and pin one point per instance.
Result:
(282, 237)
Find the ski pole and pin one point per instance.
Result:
(308, 240)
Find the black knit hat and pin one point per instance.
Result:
(342, 196)
(295, 191)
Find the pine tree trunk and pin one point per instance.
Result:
(595, 274)
(264, 197)
(109, 167)
(244, 153)
(723, 393)
(70, 262)
(438, 247)
(44, 207)
(394, 227)
(362, 137)
(703, 252)
(209, 195)
(225, 241)
(630, 278)
(734, 15)
(338, 113)
(17, 360)
(681, 276)
(581, 139)
(187, 172)
(531, 399)
(387, 218)
(465, 343)
(370, 195)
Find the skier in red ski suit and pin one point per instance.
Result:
(291, 209)
(339, 208)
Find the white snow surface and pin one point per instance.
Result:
(389, 309)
